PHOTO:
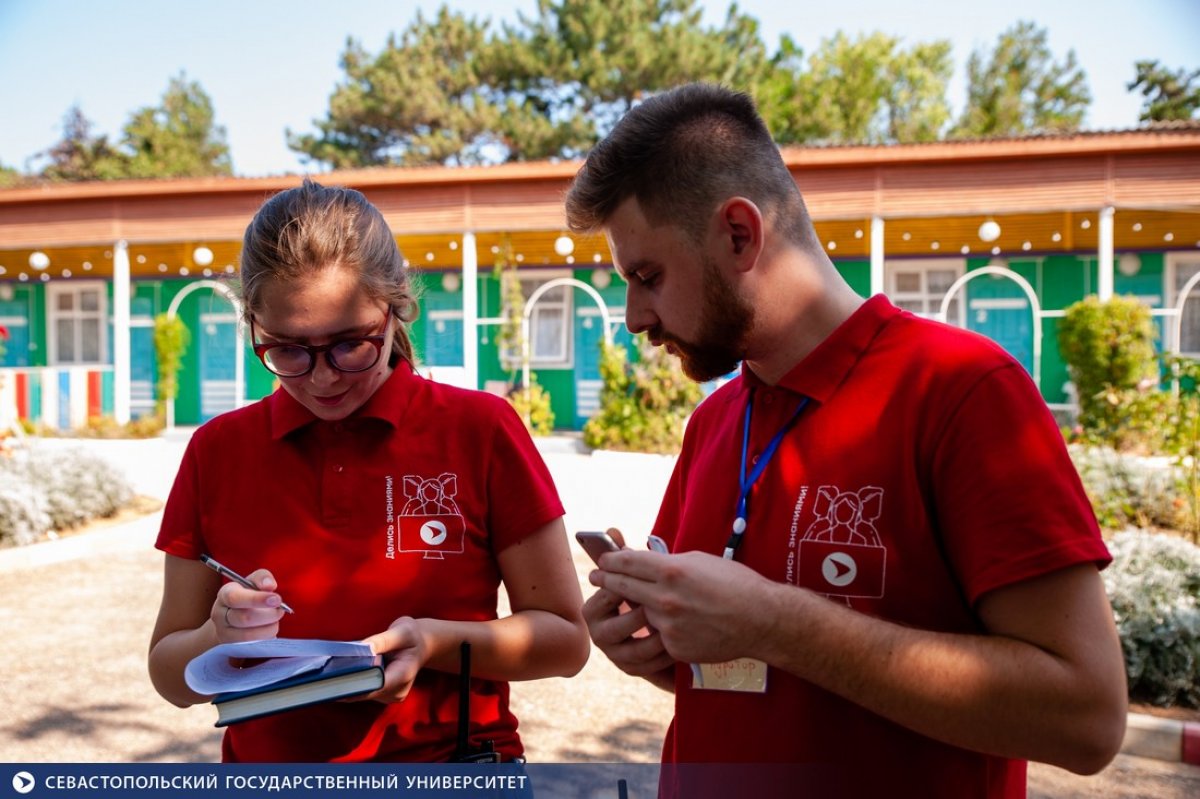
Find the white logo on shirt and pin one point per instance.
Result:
(839, 569)
(840, 554)
(433, 533)
(430, 522)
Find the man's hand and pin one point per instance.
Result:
(705, 609)
(623, 636)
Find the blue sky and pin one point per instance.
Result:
(272, 64)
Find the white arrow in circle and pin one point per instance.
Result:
(23, 782)
(839, 569)
(433, 533)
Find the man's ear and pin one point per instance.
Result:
(741, 230)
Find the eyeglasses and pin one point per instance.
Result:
(347, 355)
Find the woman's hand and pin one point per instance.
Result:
(405, 651)
(243, 614)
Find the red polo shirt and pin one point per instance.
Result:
(398, 510)
(925, 472)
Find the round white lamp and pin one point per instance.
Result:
(202, 256)
(564, 245)
(989, 230)
(39, 260)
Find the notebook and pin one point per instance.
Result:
(339, 678)
(250, 679)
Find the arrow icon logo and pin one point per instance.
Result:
(839, 569)
(23, 782)
(433, 533)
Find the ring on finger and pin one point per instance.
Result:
(227, 622)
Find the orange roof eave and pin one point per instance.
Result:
(379, 176)
(797, 157)
(1115, 143)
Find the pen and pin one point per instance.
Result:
(225, 571)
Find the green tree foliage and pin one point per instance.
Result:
(10, 177)
(177, 138)
(643, 406)
(422, 100)
(869, 89)
(1167, 95)
(589, 60)
(1019, 88)
(1109, 349)
(450, 91)
(81, 156)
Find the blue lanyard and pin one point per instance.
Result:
(747, 481)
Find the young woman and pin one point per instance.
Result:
(377, 504)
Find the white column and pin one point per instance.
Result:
(122, 379)
(1105, 287)
(876, 255)
(470, 311)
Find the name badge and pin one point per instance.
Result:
(744, 674)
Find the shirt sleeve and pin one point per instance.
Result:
(1009, 503)
(180, 534)
(522, 497)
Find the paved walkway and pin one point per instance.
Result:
(76, 616)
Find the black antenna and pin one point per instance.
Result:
(463, 751)
(622, 789)
(463, 748)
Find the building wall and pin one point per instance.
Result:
(994, 306)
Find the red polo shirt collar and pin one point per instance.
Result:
(825, 368)
(388, 404)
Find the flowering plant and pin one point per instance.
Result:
(1153, 584)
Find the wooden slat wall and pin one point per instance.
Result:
(1143, 169)
(993, 187)
(1156, 181)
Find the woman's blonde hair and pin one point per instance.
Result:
(303, 230)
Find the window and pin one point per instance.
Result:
(550, 327)
(1180, 269)
(919, 286)
(77, 324)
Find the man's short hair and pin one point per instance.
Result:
(681, 154)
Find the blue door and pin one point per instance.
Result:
(143, 367)
(998, 308)
(442, 317)
(14, 316)
(218, 356)
(589, 332)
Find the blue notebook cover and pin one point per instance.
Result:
(337, 679)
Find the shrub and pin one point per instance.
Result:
(1127, 491)
(22, 520)
(56, 490)
(1108, 347)
(1154, 586)
(643, 406)
(171, 338)
(147, 426)
(533, 406)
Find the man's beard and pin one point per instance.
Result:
(725, 321)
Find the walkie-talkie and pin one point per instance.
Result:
(463, 751)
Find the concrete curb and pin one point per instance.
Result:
(134, 535)
(1162, 739)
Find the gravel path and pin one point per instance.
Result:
(76, 616)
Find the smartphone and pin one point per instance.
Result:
(596, 543)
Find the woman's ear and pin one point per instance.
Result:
(741, 228)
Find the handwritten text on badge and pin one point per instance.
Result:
(743, 674)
